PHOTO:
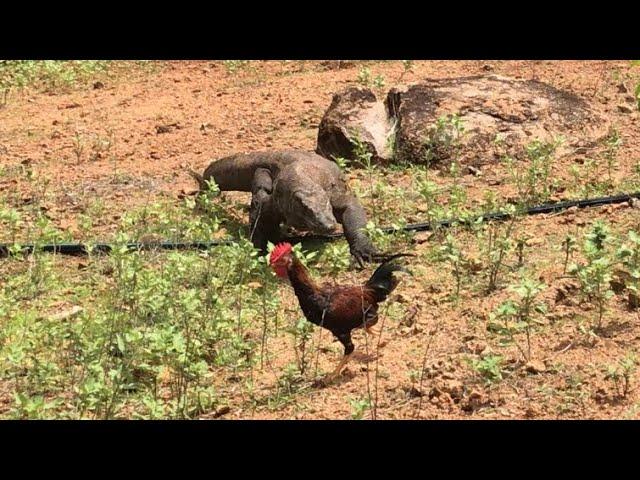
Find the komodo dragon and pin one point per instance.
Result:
(300, 188)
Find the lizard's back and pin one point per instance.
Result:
(236, 172)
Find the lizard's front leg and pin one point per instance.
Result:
(353, 218)
(263, 222)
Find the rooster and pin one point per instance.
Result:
(339, 309)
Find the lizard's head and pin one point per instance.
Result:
(313, 210)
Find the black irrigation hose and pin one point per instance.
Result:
(82, 249)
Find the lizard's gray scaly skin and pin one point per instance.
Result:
(295, 187)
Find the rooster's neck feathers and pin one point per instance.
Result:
(299, 276)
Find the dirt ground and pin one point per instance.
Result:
(191, 112)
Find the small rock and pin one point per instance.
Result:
(622, 88)
(221, 411)
(634, 301)
(69, 105)
(565, 294)
(618, 285)
(166, 128)
(414, 392)
(76, 310)
(534, 242)
(474, 171)
(487, 68)
(625, 109)
(486, 352)
(409, 318)
(532, 412)
(454, 388)
(600, 396)
(474, 265)
(98, 85)
(421, 237)
(402, 298)
(535, 366)
(475, 401)
(477, 347)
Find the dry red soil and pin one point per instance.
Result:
(189, 113)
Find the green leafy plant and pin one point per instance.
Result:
(233, 66)
(489, 367)
(34, 407)
(621, 374)
(595, 273)
(629, 256)
(378, 82)
(516, 315)
(612, 145)
(364, 77)
(443, 140)
(455, 258)
(359, 407)
(569, 246)
(343, 163)
(59, 75)
(336, 257)
(534, 182)
(496, 242)
(302, 330)
(407, 67)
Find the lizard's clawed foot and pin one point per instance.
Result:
(364, 255)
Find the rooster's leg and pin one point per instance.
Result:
(345, 339)
(373, 331)
(376, 332)
(333, 375)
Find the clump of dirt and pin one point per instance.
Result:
(495, 116)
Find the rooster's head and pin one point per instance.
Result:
(281, 258)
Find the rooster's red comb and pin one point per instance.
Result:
(278, 251)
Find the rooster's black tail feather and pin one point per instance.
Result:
(382, 282)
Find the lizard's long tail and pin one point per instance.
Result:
(198, 178)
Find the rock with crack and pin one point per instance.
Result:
(355, 115)
(499, 116)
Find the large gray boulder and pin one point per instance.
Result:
(496, 115)
(355, 115)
